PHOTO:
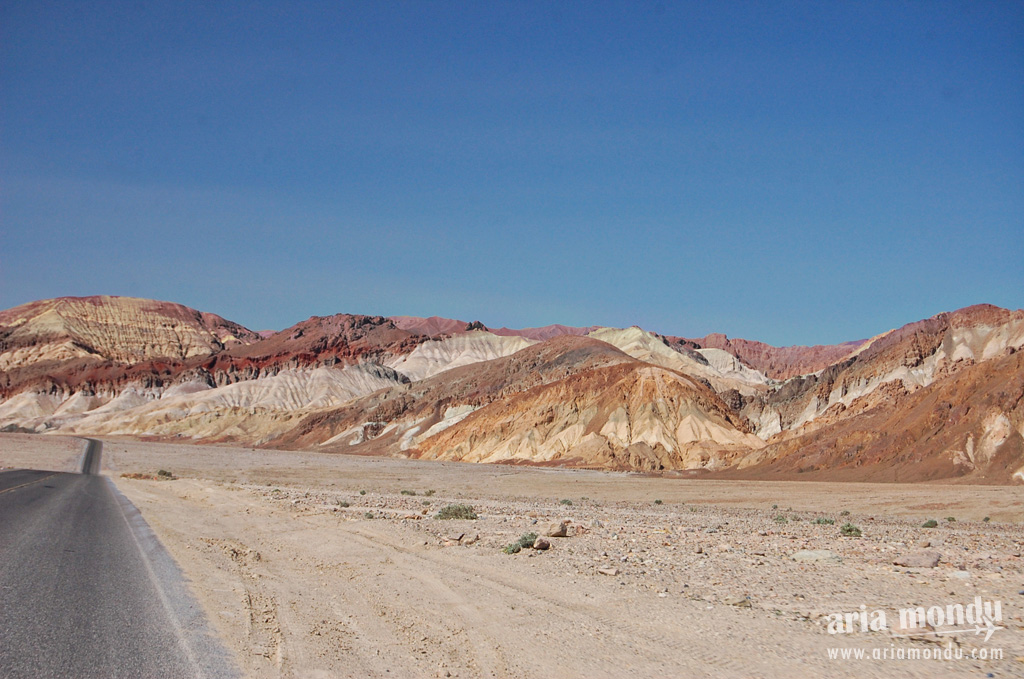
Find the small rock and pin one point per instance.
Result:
(924, 543)
(924, 559)
(541, 544)
(456, 537)
(699, 550)
(724, 547)
(740, 601)
(556, 530)
(471, 540)
(608, 570)
(961, 575)
(815, 556)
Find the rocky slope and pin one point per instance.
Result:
(396, 419)
(910, 358)
(75, 334)
(778, 363)
(209, 394)
(939, 398)
(435, 356)
(436, 325)
(122, 329)
(926, 405)
(627, 416)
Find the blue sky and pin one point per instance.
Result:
(797, 173)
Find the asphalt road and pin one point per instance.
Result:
(86, 590)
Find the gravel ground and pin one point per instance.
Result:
(306, 575)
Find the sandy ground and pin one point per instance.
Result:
(22, 451)
(304, 575)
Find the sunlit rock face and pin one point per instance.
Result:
(936, 399)
(123, 329)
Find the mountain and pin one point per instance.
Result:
(545, 332)
(967, 425)
(122, 329)
(392, 420)
(51, 343)
(939, 398)
(436, 325)
(778, 363)
(628, 416)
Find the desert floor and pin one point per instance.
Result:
(313, 565)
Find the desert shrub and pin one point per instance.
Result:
(987, 519)
(781, 519)
(525, 541)
(657, 502)
(165, 473)
(951, 519)
(369, 515)
(850, 531)
(775, 506)
(845, 512)
(565, 501)
(342, 503)
(428, 493)
(362, 492)
(823, 521)
(456, 512)
(930, 523)
(408, 492)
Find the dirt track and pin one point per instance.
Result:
(300, 585)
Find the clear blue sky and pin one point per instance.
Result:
(790, 172)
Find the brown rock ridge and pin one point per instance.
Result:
(122, 329)
(570, 401)
(968, 425)
(71, 344)
(631, 415)
(436, 325)
(340, 339)
(64, 341)
(939, 398)
(362, 425)
(909, 358)
(779, 363)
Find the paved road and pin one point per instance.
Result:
(86, 590)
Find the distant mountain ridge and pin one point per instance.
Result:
(940, 398)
